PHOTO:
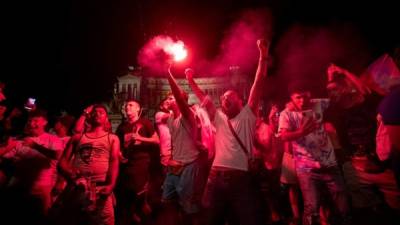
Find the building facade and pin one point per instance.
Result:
(150, 90)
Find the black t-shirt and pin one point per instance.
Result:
(145, 128)
(356, 126)
(390, 108)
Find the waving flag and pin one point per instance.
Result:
(382, 74)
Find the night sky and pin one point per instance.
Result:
(68, 54)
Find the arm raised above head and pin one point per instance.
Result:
(255, 92)
(353, 79)
(205, 101)
(180, 99)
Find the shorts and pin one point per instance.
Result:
(187, 187)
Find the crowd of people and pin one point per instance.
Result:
(310, 160)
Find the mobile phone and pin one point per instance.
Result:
(30, 103)
(308, 113)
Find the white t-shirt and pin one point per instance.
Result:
(165, 138)
(183, 140)
(314, 150)
(228, 152)
(42, 170)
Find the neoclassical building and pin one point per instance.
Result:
(149, 90)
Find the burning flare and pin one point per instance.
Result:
(176, 50)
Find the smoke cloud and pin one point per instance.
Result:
(304, 52)
(238, 46)
(155, 54)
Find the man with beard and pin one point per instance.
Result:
(90, 165)
(230, 189)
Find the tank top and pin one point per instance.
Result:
(92, 157)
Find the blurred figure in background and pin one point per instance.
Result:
(34, 159)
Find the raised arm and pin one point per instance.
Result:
(180, 99)
(255, 92)
(195, 88)
(80, 123)
(352, 78)
(206, 102)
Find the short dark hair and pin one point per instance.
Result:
(184, 94)
(100, 106)
(297, 87)
(132, 100)
(38, 113)
(162, 101)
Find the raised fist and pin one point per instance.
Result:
(263, 46)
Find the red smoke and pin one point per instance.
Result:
(238, 46)
(304, 52)
(159, 52)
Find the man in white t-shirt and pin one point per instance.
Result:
(230, 191)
